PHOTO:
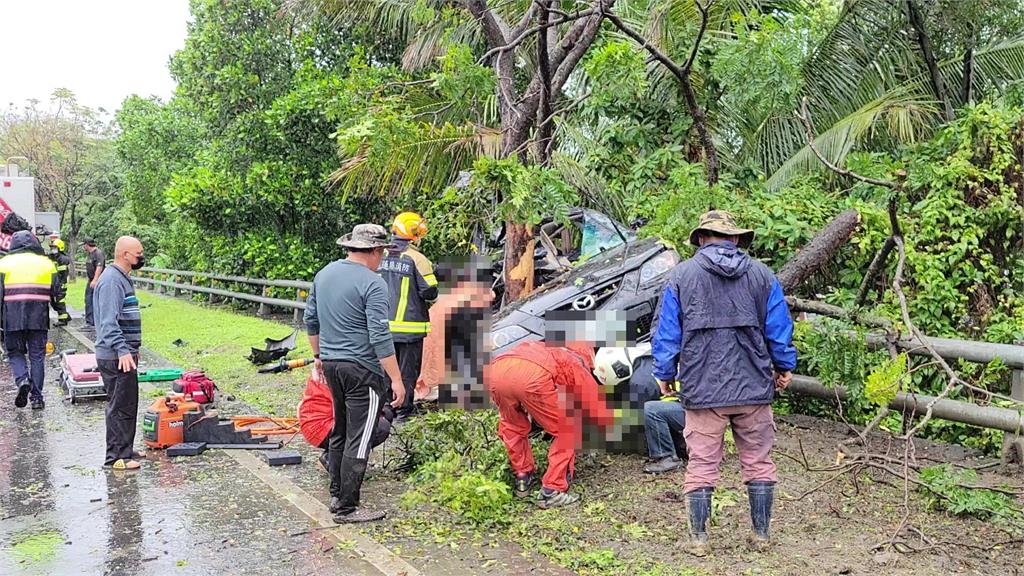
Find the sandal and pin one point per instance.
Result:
(123, 464)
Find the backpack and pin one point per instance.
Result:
(196, 384)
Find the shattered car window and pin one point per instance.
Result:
(599, 233)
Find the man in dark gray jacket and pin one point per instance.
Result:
(118, 339)
(347, 322)
(723, 326)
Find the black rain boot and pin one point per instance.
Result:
(761, 496)
(698, 504)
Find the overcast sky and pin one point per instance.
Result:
(102, 50)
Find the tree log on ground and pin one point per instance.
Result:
(819, 251)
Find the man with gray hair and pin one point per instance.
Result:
(347, 323)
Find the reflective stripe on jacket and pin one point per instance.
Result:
(29, 284)
(412, 287)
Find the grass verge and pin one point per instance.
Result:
(217, 340)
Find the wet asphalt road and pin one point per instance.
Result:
(61, 512)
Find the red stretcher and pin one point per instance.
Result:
(80, 377)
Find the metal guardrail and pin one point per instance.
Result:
(167, 280)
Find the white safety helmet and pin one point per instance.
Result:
(614, 365)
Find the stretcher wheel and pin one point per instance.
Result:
(73, 400)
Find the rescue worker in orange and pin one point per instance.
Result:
(554, 386)
(412, 288)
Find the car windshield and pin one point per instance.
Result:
(599, 234)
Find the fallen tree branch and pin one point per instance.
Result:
(821, 249)
(876, 266)
(805, 118)
(823, 309)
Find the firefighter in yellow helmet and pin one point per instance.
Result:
(412, 288)
(62, 261)
(28, 288)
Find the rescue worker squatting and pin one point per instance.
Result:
(554, 387)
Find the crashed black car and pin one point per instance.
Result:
(615, 270)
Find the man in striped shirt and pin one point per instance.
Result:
(118, 339)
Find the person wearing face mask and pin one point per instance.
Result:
(118, 339)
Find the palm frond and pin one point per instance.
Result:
(908, 111)
(995, 68)
(427, 164)
(432, 40)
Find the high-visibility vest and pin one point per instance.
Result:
(27, 290)
(412, 286)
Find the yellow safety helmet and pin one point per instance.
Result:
(410, 226)
(58, 244)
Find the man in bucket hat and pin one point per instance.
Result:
(723, 327)
(347, 321)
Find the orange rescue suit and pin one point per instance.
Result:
(553, 386)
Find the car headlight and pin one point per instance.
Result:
(507, 335)
(658, 265)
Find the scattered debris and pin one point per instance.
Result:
(187, 449)
(284, 458)
(274, 350)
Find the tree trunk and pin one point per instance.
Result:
(700, 122)
(519, 244)
(924, 41)
(544, 69)
(819, 251)
(967, 84)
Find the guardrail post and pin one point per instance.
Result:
(176, 292)
(297, 313)
(1013, 444)
(262, 312)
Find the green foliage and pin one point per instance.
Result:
(234, 166)
(950, 489)
(35, 547)
(616, 70)
(474, 495)
(885, 380)
(469, 434)
(461, 79)
(460, 463)
(724, 498)
(528, 193)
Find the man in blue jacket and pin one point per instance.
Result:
(723, 327)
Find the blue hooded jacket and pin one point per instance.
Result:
(722, 326)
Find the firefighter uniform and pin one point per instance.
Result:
(29, 286)
(412, 288)
(63, 262)
(552, 386)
